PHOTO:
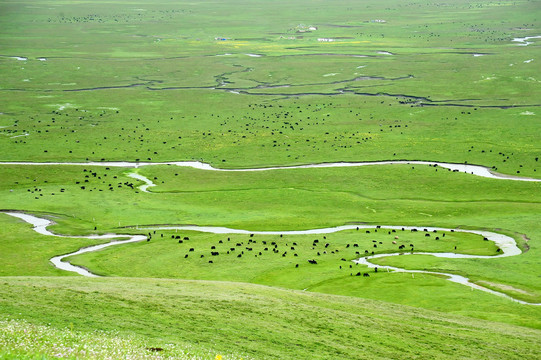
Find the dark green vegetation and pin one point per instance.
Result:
(246, 84)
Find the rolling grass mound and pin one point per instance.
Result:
(254, 321)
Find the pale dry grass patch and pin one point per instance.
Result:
(20, 339)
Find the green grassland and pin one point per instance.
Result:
(25, 253)
(258, 321)
(249, 84)
(113, 76)
(257, 259)
(274, 136)
(297, 199)
(47, 342)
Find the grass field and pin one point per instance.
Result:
(261, 322)
(252, 84)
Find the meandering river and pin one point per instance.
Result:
(476, 170)
(505, 243)
(40, 226)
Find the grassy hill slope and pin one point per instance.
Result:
(258, 321)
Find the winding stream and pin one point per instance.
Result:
(477, 170)
(148, 182)
(40, 226)
(523, 41)
(451, 277)
(505, 243)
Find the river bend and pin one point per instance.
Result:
(505, 243)
(477, 170)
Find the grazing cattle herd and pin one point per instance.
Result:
(319, 251)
